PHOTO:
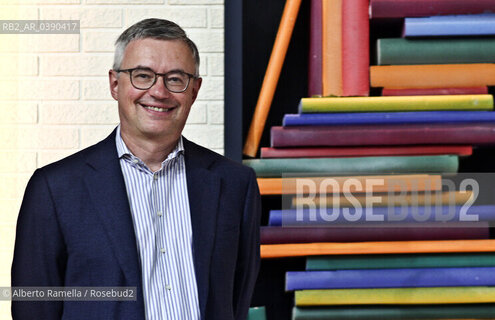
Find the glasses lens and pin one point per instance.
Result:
(142, 78)
(176, 81)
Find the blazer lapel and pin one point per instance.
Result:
(204, 191)
(106, 186)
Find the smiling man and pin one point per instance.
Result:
(145, 207)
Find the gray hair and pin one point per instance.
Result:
(159, 29)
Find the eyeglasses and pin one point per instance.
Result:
(145, 78)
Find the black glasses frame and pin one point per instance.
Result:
(156, 78)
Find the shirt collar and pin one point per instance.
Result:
(123, 150)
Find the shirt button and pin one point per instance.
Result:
(135, 161)
(159, 213)
(162, 250)
(168, 287)
(155, 177)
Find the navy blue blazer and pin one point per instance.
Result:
(75, 229)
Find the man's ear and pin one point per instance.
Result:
(195, 89)
(114, 83)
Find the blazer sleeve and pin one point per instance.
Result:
(39, 254)
(248, 261)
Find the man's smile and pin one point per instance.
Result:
(156, 108)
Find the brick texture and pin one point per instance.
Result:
(92, 134)
(39, 137)
(208, 40)
(7, 237)
(96, 89)
(211, 89)
(56, 100)
(210, 136)
(124, 1)
(18, 112)
(5, 305)
(19, 65)
(190, 17)
(8, 11)
(204, 2)
(75, 65)
(99, 41)
(39, 89)
(10, 209)
(215, 113)
(197, 115)
(13, 185)
(79, 113)
(216, 17)
(39, 43)
(90, 16)
(18, 161)
(215, 65)
(203, 66)
(48, 156)
(5, 256)
(42, 2)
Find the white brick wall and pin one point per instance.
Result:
(39, 89)
(14, 161)
(69, 113)
(13, 185)
(211, 89)
(190, 17)
(39, 43)
(18, 12)
(10, 205)
(58, 102)
(216, 16)
(18, 112)
(96, 89)
(90, 16)
(19, 64)
(204, 2)
(75, 64)
(215, 64)
(215, 112)
(210, 136)
(198, 113)
(99, 41)
(208, 40)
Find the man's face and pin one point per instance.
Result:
(137, 119)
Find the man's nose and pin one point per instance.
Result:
(159, 89)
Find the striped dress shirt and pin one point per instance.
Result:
(159, 206)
